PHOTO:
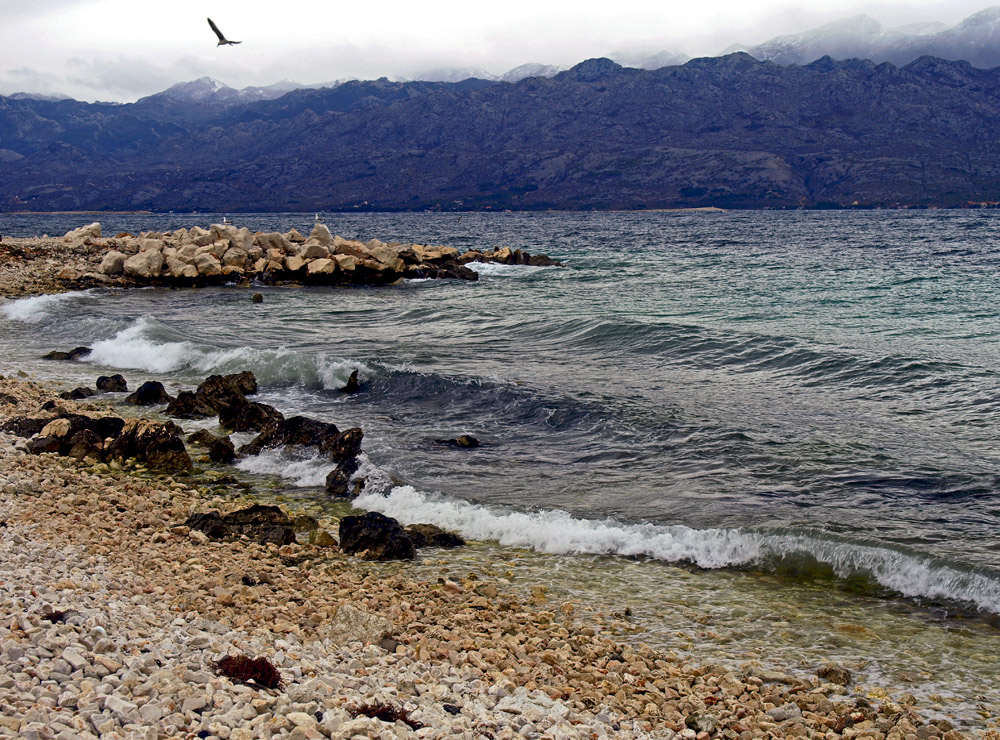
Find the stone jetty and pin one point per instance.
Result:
(86, 257)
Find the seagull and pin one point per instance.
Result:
(223, 41)
(319, 219)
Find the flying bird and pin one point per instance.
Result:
(223, 41)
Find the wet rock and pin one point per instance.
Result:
(23, 426)
(214, 394)
(77, 394)
(338, 483)
(39, 445)
(263, 524)
(85, 443)
(466, 440)
(149, 393)
(157, 444)
(222, 450)
(202, 437)
(430, 535)
(250, 416)
(379, 536)
(7, 400)
(835, 674)
(352, 386)
(112, 384)
(74, 354)
(341, 447)
(258, 298)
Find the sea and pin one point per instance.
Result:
(769, 438)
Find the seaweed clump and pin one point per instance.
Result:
(245, 669)
(54, 615)
(386, 713)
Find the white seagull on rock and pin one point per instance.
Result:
(223, 41)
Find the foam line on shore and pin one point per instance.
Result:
(557, 532)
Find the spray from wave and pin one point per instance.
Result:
(909, 574)
(37, 309)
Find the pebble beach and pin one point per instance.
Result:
(114, 617)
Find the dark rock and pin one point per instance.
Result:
(341, 447)
(258, 298)
(85, 443)
(381, 536)
(149, 393)
(250, 416)
(77, 394)
(466, 440)
(214, 394)
(157, 444)
(38, 445)
(260, 523)
(222, 450)
(353, 386)
(23, 426)
(74, 354)
(835, 674)
(337, 483)
(305, 523)
(430, 535)
(202, 437)
(7, 400)
(112, 384)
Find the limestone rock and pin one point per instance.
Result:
(146, 265)
(92, 231)
(351, 624)
(113, 263)
(322, 235)
(208, 264)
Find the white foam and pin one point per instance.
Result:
(38, 308)
(299, 466)
(496, 269)
(560, 533)
(136, 348)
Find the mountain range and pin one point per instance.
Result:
(727, 131)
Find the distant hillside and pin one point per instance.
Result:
(975, 40)
(729, 131)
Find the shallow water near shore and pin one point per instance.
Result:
(800, 409)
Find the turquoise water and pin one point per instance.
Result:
(789, 418)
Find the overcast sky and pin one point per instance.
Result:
(124, 49)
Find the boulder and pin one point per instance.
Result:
(379, 536)
(352, 385)
(207, 264)
(350, 624)
(338, 484)
(112, 384)
(85, 443)
(151, 245)
(294, 263)
(322, 235)
(430, 535)
(74, 354)
(249, 417)
(157, 444)
(90, 231)
(323, 266)
(214, 394)
(113, 263)
(23, 426)
(465, 440)
(312, 250)
(235, 257)
(835, 674)
(202, 437)
(77, 394)
(273, 241)
(144, 265)
(346, 262)
(222, 450)
(149, 393)
(263, 524)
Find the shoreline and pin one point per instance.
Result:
(459, 642)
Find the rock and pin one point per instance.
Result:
(352, 386)
(322, 538)
(322, 266)
(149, 393)
(39, 445)
(222, 450)
(312, 250)
(322, 235)
(350, 624)
(202, 437)
(214, 394)
(263, 524)
(249, 417)
(785, 712)
(466, 440)
(273, 241)
(22, 426)
(157, 444)
(85, 443)
(382, 537)
(294, 263)
(74, 354)
(91, 231)
(77, 394)
(112, 384)
(258, 298)
(148, 264)
(341, 447)
(7, 399)
(430, 535)
(835, 674)
(235, 257)
(207, 264)
(113, 263)
(338, 482)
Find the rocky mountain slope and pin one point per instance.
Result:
(729, 131)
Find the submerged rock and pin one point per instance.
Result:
(430, 535)
(379, 536)
(77, 394)
(74, 354)
(352, 385)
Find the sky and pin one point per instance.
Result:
(121, 50)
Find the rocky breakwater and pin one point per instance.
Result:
(83, 258)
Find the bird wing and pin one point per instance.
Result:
(216, 29)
